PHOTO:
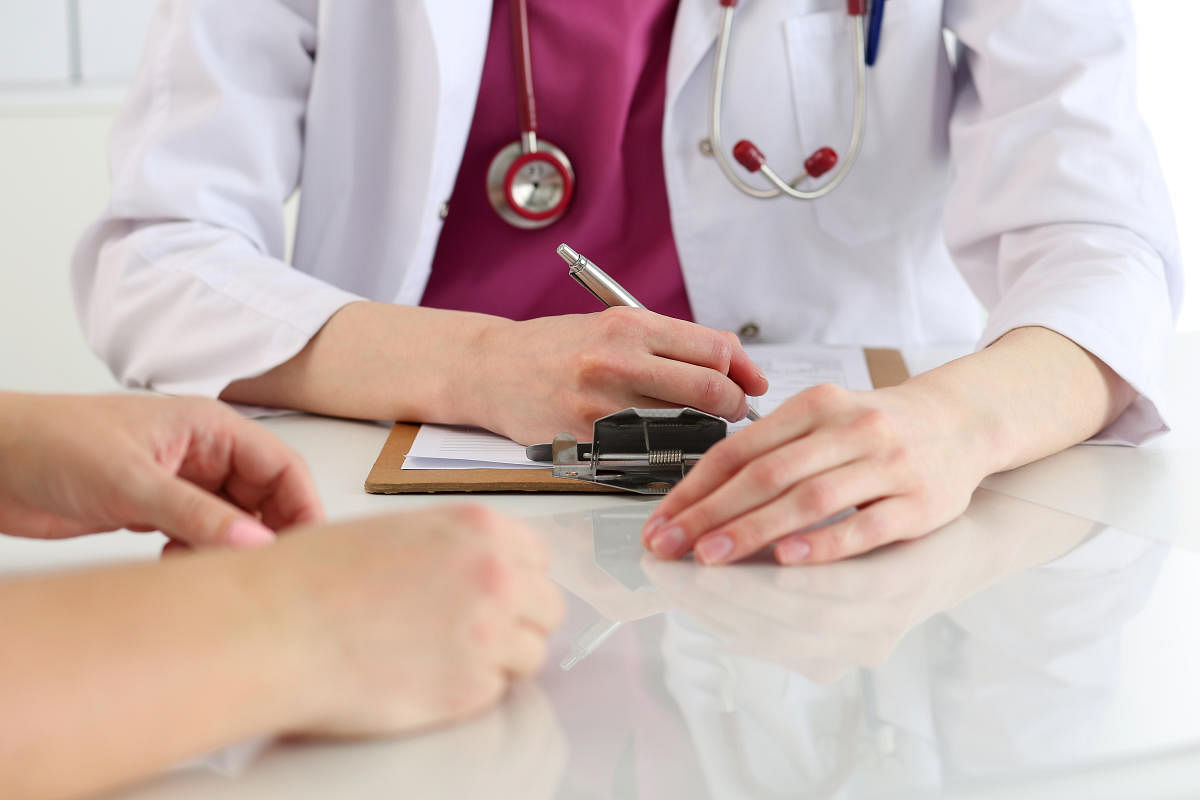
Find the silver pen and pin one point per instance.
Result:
(605, 289)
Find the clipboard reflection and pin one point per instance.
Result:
(597, 555)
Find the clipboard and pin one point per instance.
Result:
(886, 366)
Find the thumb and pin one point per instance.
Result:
(187, 513)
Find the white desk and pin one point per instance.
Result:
(1020, 652)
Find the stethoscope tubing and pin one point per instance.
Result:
(782, 187)
(523, 74)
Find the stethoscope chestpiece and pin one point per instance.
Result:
(530, 188)
(530, 182)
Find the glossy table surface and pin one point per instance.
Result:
(1020, 652)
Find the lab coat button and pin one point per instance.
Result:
(748, 331)
(705, 147)
(444, 210)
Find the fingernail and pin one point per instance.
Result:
(652, 524)
(248, 533)
(714, 549)
(743, 411)
(666, 543)
(793, 551)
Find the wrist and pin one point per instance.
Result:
(13, 409)
(280, 618)
(959, 411)
(472, 391)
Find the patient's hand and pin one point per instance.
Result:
(190, 467)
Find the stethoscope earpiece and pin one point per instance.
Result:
(821, 161)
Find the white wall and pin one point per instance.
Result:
(45, 42)
(1169, 103)
(53, 123)
(53, 181)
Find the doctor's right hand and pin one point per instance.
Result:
(553, 375)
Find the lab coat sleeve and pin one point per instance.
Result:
(1058, 215)
(181, 285)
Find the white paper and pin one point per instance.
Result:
(439, 446)
(790, 369)
(420, 462)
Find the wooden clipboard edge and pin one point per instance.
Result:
(886, 367)
(386, 476)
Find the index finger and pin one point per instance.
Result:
(798, 417)
(267, 476)
(692, 343)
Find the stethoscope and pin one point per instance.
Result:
(530, 182)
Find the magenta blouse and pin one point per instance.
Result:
(599, 72)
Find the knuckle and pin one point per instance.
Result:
(485, 633)
(493, 579)
(478, 518)
(770, 473)
(869, 531)
(710, 392)
(722, 351)
(620, 322)
(873, 424)
(723, 457)
(597, 366)
(900, 461)
(537, 657)
(748, 533)
(818, 497)
(824, 395)
(696, 519)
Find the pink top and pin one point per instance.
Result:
(600, 74)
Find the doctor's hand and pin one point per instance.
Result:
(189, 467)
(905, 457)
(559, 374)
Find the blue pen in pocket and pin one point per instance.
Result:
(874, 29)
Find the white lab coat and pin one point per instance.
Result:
(1022, 177)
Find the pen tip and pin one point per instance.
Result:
(568, 254)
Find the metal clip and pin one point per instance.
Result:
(643, 450)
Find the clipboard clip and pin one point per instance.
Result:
(643, 450)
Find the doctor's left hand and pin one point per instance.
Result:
(189, 467)
(906, 458)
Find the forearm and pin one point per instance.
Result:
(1031, 393)
(378, 361)
(110, 675)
